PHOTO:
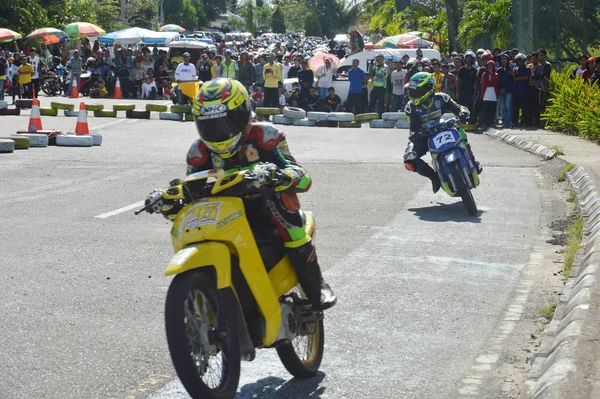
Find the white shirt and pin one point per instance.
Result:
(579, 72)
(185, 72)
(35, 62)
(490, 94)
(282, 101)
(397, 78)
(147, 89)
(325, 77)
(286, 69)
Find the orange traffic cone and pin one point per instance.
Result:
(82, 125)
(117, 93)
(35, 121)
(74, 88)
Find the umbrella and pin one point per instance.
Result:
(7, 35)
(83, 29)
(138, 35)
(319, 60)
(405, 40)
(427, 36)
(172, 28)
(43, 32)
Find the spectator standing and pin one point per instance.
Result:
(74, 67)
(216, 70)
(245, 70)
(282, 99)
(458, 63)
(185, 72)
(541, 77)
(35, 78)
(466, 81)
(258, 70)
(306, 78)
(379, 72)
(595, 81)
(228, 66)
(333, 102)
(175, 57)
(505, 90)
(521, 75)
(589, 69)
(271, 74)
(286, 67)
(489, 93)
(25, 73)
(325, 78)
(397, 78)
(162, 80)
(438, 75)
(419, 55)
(13, 73)
(450, 82)
(161, 60)
(583, 58)
(3, 68)
(293, 71)
(203, 67)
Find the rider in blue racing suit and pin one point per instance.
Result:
(425, 107)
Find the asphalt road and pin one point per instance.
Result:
(421, 285)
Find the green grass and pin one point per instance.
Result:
(574, 233)
(547, 311)
(558, 150)
(563, 173)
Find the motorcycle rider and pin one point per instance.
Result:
(426, 107)
(230, 141)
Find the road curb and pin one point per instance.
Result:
(565, 366)
(529, 146)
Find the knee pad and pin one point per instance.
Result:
(410, 158)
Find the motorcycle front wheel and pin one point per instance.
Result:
(204, 348)
(462, 188)
(48, 89)
(302, 356)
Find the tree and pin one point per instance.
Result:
(482, 20)
(312, 26)
(263, 17)
(278, 20)
(295, 13)
(247, 12)
(452, 21)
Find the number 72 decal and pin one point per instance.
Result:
(443, 138)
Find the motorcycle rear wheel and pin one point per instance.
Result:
(48, 89)
(462, 188)
(197, 344)
(302, 357)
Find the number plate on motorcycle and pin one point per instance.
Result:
(442, 139)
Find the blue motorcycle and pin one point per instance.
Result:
(451, 159)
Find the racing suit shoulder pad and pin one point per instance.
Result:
(266, 135)
(198, 154)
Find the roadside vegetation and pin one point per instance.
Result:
(562, 176)
(574, 107)
(574, 234)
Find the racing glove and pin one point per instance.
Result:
(268, 175)
(159, 205)
(464, 115)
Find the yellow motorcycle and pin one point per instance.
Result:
(234, 289)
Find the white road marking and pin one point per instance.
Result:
(121, 210)
(111, 123)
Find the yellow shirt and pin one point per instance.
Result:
(272, 79)
(178, 59)
(439, 80)
(25, 73)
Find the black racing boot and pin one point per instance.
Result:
(318, 292)
(432, 175)
(477, 164)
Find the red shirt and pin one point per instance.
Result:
(487, 82)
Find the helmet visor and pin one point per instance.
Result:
(224, 148)
(417, 94)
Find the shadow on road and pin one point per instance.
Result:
(275, 387)
(455, 212)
